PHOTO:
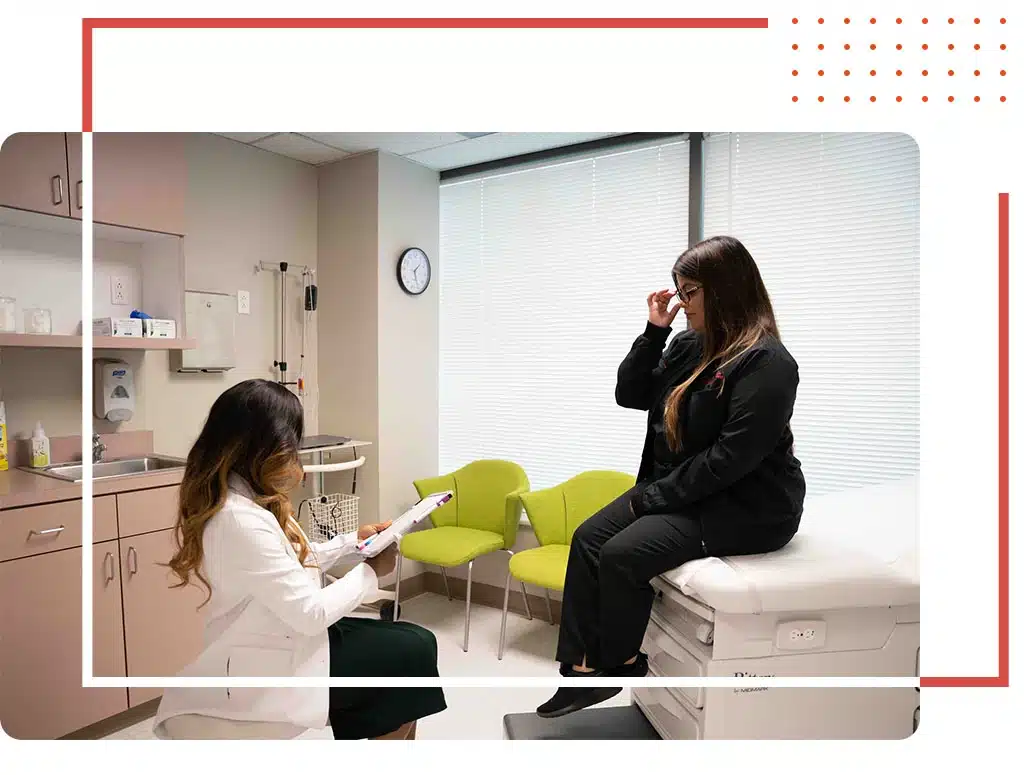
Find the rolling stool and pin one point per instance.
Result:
(622, 722)
(193, 726)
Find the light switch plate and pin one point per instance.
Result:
(243, 303)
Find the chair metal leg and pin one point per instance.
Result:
(547, 599)
(504, 616)
(469, 589)
(447, 589)
(526, 601)
(398, 586)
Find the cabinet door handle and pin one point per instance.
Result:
(133, 561)
(78, 195)
(57, 189)
(50, 532)
(108, 564)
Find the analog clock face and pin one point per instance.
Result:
(414, 271)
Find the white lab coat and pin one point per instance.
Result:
(268, 616)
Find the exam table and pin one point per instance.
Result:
(842, 599)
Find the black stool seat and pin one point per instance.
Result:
(623, 722)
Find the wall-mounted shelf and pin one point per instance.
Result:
(51, 342)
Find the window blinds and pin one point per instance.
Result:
(833, 223)
(543, 278)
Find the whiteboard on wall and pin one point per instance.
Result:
(210, 321)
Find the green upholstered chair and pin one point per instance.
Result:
(555, 513)
(483, 517)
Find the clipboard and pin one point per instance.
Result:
(377, 543)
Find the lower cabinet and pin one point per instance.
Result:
(41, 693)
(141, 626)
(163, 628)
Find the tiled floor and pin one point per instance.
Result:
(473, 714)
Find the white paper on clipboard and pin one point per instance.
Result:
(374, 545)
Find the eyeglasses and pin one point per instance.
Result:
(685, 294)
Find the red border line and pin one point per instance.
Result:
(1001, 680)
(88, 25)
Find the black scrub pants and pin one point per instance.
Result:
(606, 602)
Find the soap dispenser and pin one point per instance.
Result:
(40, 447)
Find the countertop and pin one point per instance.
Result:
(23, 488)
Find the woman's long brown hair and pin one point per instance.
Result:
(737, 312)
(253, 431)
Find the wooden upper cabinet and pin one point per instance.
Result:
(139, 180)
(34, 173)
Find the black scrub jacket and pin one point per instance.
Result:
(736, 470)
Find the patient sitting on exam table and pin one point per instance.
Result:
(717, 475)
(268, 615)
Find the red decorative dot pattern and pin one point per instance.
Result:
(899, 20)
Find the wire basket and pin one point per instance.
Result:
(332, 515)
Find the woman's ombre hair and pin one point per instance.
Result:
(253, 431)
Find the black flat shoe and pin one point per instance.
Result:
(638, 669)
(569, 699)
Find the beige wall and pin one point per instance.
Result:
(408, 216)
(347, 343)
(378, 346)
(243, 206)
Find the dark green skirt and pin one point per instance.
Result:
(367, 648)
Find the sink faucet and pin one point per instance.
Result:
(98, 448)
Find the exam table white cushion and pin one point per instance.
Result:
(854, 549)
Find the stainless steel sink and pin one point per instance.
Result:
(111, 469)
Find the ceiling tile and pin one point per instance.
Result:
(245, 137)
(401, 143)
(301, 148)
(499, 145)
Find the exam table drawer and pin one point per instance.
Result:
(668, 657)
(667, 714)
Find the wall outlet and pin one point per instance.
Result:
(118, 290)
(800, 636)
(244, 307)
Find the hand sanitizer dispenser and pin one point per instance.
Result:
(114, 391)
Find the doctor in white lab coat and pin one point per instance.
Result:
(268, 614)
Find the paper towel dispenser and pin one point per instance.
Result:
(210, 322)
